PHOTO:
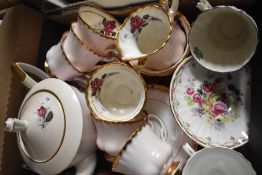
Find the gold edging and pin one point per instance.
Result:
(47, 69)
(95, 116)
(194, 138)
(115, 163)
(170, 70)
(19, 72)
(173, 168)
(128, 19)
(22, 143)
(104, 13)
(109, 157)
(65, 56)
(84, 44)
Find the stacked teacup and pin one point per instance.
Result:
(88, 43)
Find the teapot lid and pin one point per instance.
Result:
(54, 125)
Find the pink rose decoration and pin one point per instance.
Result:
(136, 22)
(197, 98)
(41, 111)
(109, 26)
(219, 108)
(190, 91)
(207, 87)
(96, 85)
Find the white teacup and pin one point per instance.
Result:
(147, 36)
(112, 136)
(216, 161)
(79, 53)
(116, 93)
(145, 154)
(223, 38)
(58, 65)
(98, 29)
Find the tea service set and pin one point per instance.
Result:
(143, 128)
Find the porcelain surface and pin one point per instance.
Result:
(212, 108)
(157, 103)
(223, 38)
(116, 93)
(218, 161)
(143, 147)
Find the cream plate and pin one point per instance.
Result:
(157, 103)
(116, 93)
(212, 108)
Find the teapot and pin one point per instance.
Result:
(54, 127)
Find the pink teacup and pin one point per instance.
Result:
(98, 29)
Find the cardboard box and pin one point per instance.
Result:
(22, 39)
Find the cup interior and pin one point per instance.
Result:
(116, 93)
(218, 161)
(223, 39)
(144, 32)
(99, 21)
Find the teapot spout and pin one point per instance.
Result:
(15, 125)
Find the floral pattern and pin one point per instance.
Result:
(198, 53)
(215, 100)
(106, 27)
(137, 23)
(44, 116)
(97, 83)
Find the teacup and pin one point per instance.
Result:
(181, 28)
(145, 153)
(147, 36)
(216, 161)
(223, 38)
(98, 29)
(79, 53)
(116, 93)
(112, 136)
(58, 65)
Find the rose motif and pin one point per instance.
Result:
(190, 91)
(208, 88)
(109, 26)
(41, 111)
(136, 22)
(96, 85)
(219, 108)
(197, 98)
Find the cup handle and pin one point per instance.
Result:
(188, 149)
(20, 70)
(203, 5)
(163, 132)
(172, 9)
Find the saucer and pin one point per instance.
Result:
(212, 108)
(157, 103)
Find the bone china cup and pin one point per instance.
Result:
(147, 35)
(54, 127)
(98, 29)
(145, 154)
(79, 53)
(223, 38)
(216, 161)
(58, 64)
(116, 93)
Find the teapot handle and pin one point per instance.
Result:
(20, 70)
